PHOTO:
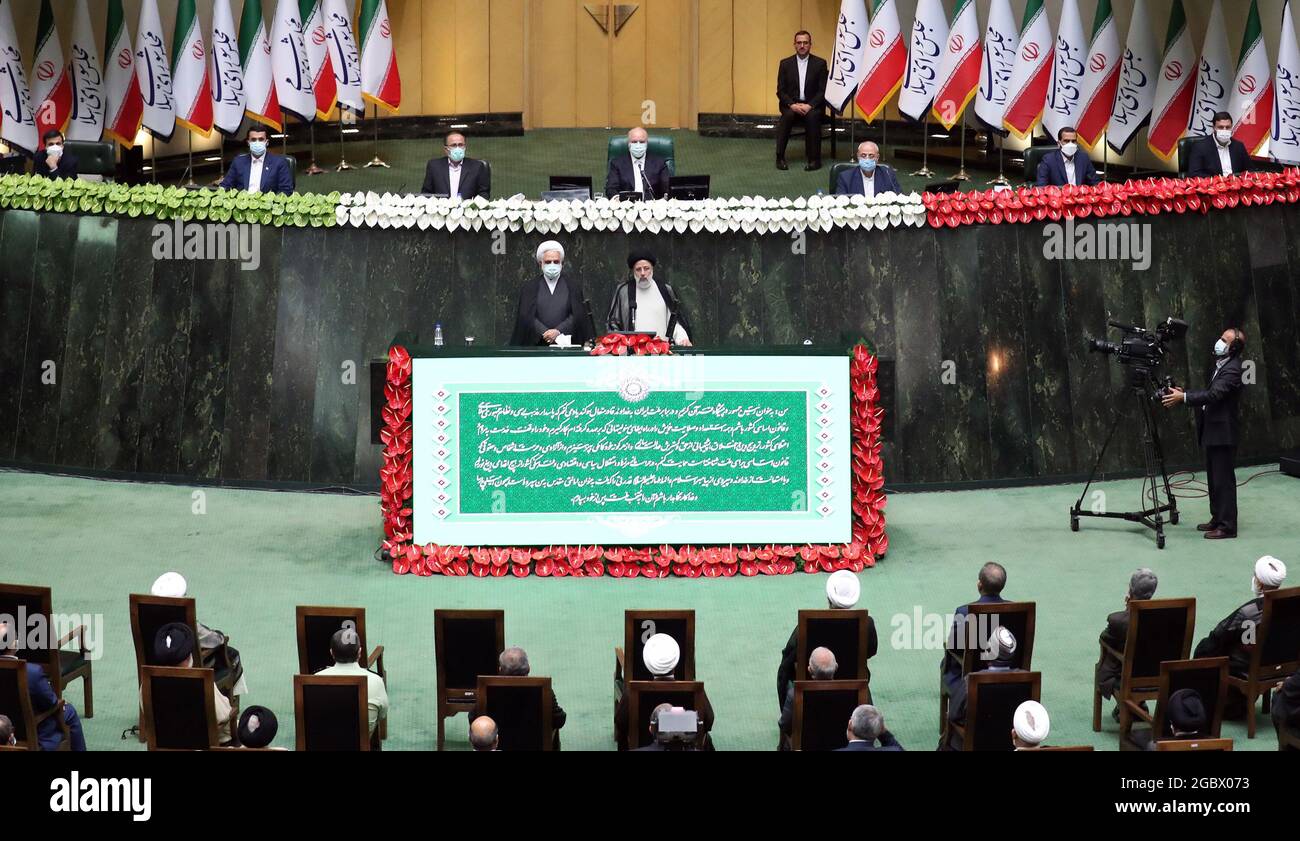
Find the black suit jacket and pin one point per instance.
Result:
(475, 179)
(785, 672)
(67, 166)
(621, 179)
(1217, 423)
(1226, 638)
(1109, 669)
(787, 83)
(887, 743)
(1203, 159)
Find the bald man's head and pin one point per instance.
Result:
(867, 149)
(638, 135)
(6, 730)
(822, 665)
(483, 734)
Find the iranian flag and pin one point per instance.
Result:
(885, 62)
(929, 37)
(1284, 142)
(315, 38)
(1137, 85)
(17, 119)
(344, 57)
(51, 87)
(1252, 95)
(124, 105)
(1032, 73)
(229, 97)
(1064, 92)
(959, 69)
(190, 71)
(380, 81)
(255, 61)
(1101, 79)
(87, 77)
(153, 73)
(289, 65)
(1214, 76)
(1176, 87)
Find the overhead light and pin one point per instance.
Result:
(460, 125)
(765, 125)
(147, 169)
(940, 136)
(213, 158)
(842, 130)
(351, 131)
(279, 136)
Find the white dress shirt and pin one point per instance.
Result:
(1225, 157)
(802, 63)
(1070, 176)
(869, 184)
(376, 692)
(453, 177)
(638, 171)
(255, 174)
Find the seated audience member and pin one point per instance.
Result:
(638, 171)
(49, 734)
(643, 303)
(1064, 166)
(654, 744)
(1286, 709)
(7, 736)
(513, 662)
(801, 95)
(842, 592)
(1186, 718)
(1226, 640)
(992, 579)
(53, 161)
(173, 645)
(1141, 587)
(871, 178)
(1218, 154)
(345, 648)
(456, 175)
(257, 728)
(821, 666)
(1003, 647)
(483, 734)
(172, 585)
(661, 655)
(866, 725)
(1030, 726)
(259, 171)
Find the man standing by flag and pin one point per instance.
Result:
(801, 93)
(190, 71)
(51, 88)
(928, 41)
(1101, 79)
(124, 104)
(87, 77)
(1032, 74)
(1175, 88)
(1252, 95)
(959, 71)
(229, 97)
(885, 62)
(1137, 82)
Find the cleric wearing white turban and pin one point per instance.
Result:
(1030, 726)
(552, 306)
(172, 585)
(1227, 638)
(842, 592)
(661, 654)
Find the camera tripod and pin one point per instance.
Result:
(1156, 475)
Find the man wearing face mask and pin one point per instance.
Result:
(1216, 429)
(52, 161)
(259, 171)
(638, 171)
(455, 174)
(1064, 166)
(1218, 154)
(647, 304)
(871, 178)
(550, 306)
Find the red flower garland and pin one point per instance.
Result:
(1143, 197)
(869, 538)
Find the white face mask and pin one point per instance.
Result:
(1223, 135)
(551, 270)
(1220, 348)
(1070, 149)
(54, 151)
(637, 148)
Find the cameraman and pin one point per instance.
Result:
(1216, 429)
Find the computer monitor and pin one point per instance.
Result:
(571, 182)
(688, 187)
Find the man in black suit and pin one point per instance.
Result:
(638, 171)
(455, 174)
(1141, 586)
(1216, 429)
(513, 662)
(1218, 154)
(1286, 710)
(821, 666)
(1002, 644)
(992, 578)
(1064, 166)
(866, 725)
(53, 161)
(801, 91)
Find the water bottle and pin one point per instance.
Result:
(437, 334)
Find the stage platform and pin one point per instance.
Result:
(252, 556)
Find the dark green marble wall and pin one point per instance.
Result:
(201, 369)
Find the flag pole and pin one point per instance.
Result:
(961, 174)
(1001, 180)
(925, 171)
(1105, 159)
(313, 169)
(343, 160)
(153, 157)
(377, 161)
(190, 185)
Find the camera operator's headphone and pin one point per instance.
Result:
(1238, 342)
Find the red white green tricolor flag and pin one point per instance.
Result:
(1252, 95)
(124, 107)
(315, 37)
(17, 119)
(959, 70)
(51, 88)
(380, 81)
(1101, 77)
(255, 59)
(190, 71)
(885, 60)
(1176, 87)
(1032, 74)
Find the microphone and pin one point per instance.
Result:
(591, 319)
(645, 182)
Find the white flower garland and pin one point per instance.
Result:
(749, 214)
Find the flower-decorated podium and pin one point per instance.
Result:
(631, 460)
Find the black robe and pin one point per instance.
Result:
(623, 307)
(1226, 638)
(525, 333)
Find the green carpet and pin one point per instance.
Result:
(254, 555)
(738, 167)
